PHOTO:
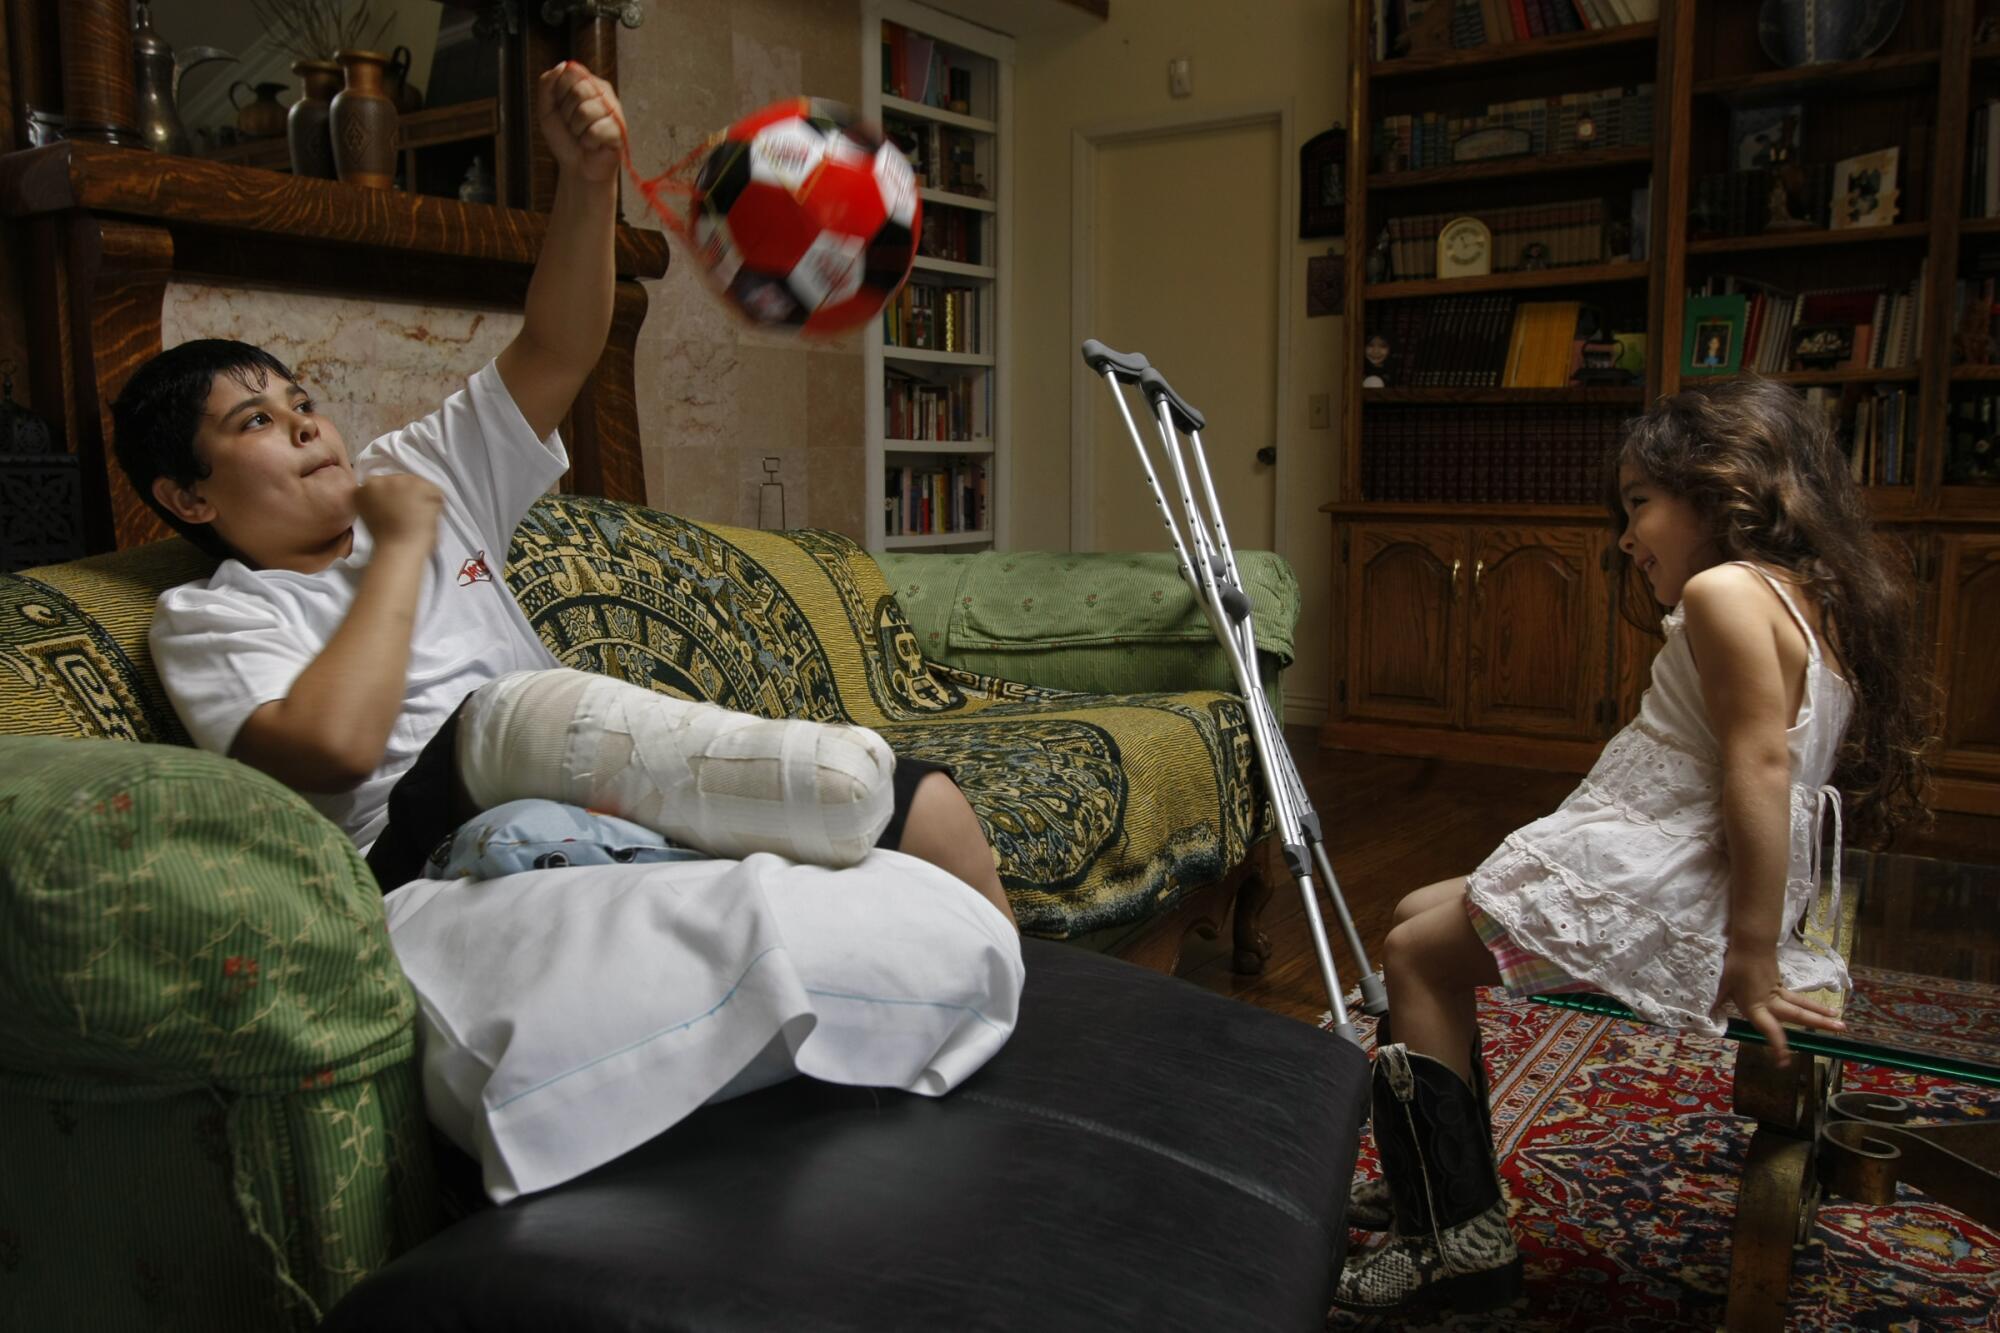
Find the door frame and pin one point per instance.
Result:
(1085, 144)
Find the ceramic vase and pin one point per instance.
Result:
(263, 116)
(364, 122)
(306, 124)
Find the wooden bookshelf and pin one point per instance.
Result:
(1435, 599)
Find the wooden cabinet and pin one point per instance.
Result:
(1489, 628)
(1968, 603)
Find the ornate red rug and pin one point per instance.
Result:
(1621, 1157)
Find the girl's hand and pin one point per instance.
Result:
(1750, 982)
(581, 119)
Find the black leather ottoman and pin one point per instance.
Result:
(1142, 1155)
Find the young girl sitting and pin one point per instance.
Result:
(1676, 877)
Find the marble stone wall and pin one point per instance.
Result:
(717, 396)
(372, 365)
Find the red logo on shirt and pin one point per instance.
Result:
(474, 570)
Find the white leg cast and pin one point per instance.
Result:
(725, 782)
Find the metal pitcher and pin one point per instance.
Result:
(159, 77)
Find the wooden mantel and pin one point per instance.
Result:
(108, 227)
(185, 191)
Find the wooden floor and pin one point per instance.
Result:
(1394, 824)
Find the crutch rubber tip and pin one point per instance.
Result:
(1374, 995)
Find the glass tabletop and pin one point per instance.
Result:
(1926, 968)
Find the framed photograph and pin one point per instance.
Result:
(1494, 141)
(1822, 346)
(1765, 136)
(1864, 189)
(1323, 184)
(1713, 343)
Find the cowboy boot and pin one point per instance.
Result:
(1368, 1199)
(1449, 1246)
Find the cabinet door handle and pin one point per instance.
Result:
(1456, 565)
(1478, 570)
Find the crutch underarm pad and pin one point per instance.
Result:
(1127, 366)
(1186, 419)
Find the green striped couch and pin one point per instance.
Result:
(208, 1092)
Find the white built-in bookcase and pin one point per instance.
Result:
(982, 131)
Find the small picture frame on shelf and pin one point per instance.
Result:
(1766, 136)
(1323, 184)
(1822, 346)
(1713, 344)
(1864, 189)
(1493, 142)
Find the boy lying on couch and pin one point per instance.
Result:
(357, 644)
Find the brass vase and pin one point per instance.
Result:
(306, 131)
(364, 122)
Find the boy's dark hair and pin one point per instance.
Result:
(157, 413)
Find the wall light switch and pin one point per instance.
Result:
(1180, 76)
(1316, 412)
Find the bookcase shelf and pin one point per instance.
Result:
(1816, 239)
(1428, 652)
(1841, 78)
(957, 118)
(1575, 275)
(1510, 57)
(1614, 394)
(1507, 168)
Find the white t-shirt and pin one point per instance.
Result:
(230, 645)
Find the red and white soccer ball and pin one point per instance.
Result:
(805, 219)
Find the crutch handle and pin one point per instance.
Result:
(1186, 419)
(1127, 366)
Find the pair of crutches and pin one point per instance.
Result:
(1209, 568)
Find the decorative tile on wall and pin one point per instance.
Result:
(371, 365)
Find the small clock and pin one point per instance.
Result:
(1464, 249)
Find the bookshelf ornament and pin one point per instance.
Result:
(1464, 249)
(802, 218)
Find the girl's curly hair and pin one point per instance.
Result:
(1761, 466)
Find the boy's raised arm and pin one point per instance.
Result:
(568, 313)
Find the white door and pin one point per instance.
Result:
(1184, 268)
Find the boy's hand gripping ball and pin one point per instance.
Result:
(801, 217)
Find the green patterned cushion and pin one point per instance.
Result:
(1103, 809)
(207, 1076)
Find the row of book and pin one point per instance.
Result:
(959, 410)
(952, 233)
(1532, 236)
(1982, 199)
(1878, 435)
(1975, 321)
(943, 158)
(1847, 328)
(1403, 27)
(1972, 456)
(922, 501)
(936, 318)
(1488, 341)
(1488, 456)
(917, 68)
(1614, 117)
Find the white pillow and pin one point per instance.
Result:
(570, 1015)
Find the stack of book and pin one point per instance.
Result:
(1975, 321)
(1496, 455)
(1570, 232)
(919, 409)
(1619, 117)
(1490, 22)
(942, 158)
(1878, 436)
(922, 501)
(1880, 326)
(950, 233)
(916, 69)
(935, 318)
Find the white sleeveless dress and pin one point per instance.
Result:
(1625, 887)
